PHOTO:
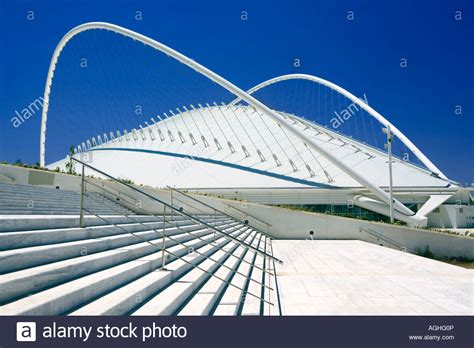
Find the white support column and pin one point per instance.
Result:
(376, 206)
(388, 132)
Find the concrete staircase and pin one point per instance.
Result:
(114, 265)
(33, 200)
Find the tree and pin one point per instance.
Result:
(70, 163)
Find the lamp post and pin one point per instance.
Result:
(388, 145)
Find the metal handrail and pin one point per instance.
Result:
(186, 203)
(178, 227)
(248, 278)
(277, 289)
(262, 304)
(381, 236)
(104, 189)
(179, 211)
(226, 215)
(220, 211)
(247, 214)
(101, 184)
(98, 188)
(230, 217)
(181, 258)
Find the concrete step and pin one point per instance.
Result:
(168, 303)
(70, 203)
(91, 209)
(18, 211)
(252, 305)
(40, 195)
(78, 292)
(14, 223)
(62, 210)
(31, 200)
(32, 204)
(17, 284)
(5, 199)
(27, 190)
(22, 239)
(50, 193)
(12, 260)
(231, 301)
(271, 296)
(206, 298)
(4, 187)
(50, 266)
(50, 196)
(124, 300)
(168, 300)
(55, 201)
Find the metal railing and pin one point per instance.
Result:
(172, 223)
(386, 239)
(111, 194)
(165, 250)
(108, 191)
(246, 222)
(216, 218)
(174, 209)
(225, 222)
(277, 289)
(246, 214)
(233, 229)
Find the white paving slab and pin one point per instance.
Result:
(324, 277)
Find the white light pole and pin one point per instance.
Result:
(388, 145)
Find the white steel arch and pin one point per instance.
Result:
(360, 103)
(377, 191)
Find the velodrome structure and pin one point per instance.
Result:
(199, 233)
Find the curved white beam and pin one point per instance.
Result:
(377, 191)
(360, 103)
(373, 205)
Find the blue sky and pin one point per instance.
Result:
(362, 55)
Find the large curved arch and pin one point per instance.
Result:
(377, 191)
(430, 165)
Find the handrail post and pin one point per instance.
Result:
(215, 221)
(81, 211)
(171, 201)
(269, 280)
(163, 245)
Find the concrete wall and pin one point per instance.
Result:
(284, 223)
(454, 215)
(28, 176)
(292, 224)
